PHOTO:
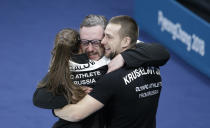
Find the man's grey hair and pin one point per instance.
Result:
(94, 20)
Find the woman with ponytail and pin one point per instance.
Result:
(59, 82)
(57, 89)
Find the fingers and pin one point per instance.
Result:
(87, 89)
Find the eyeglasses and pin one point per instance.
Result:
(95, 43)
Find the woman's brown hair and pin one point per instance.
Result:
(59, 82)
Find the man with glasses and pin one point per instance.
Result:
(91, 42)
(92, 32)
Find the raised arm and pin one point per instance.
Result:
(145, 54)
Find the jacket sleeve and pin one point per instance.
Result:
(146, 54)
(45, 99)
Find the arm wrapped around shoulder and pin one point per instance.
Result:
(146, 54)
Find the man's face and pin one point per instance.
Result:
(112, 40)
(93, 34)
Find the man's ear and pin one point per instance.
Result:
(126, 42)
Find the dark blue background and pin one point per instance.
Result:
(27, 32)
